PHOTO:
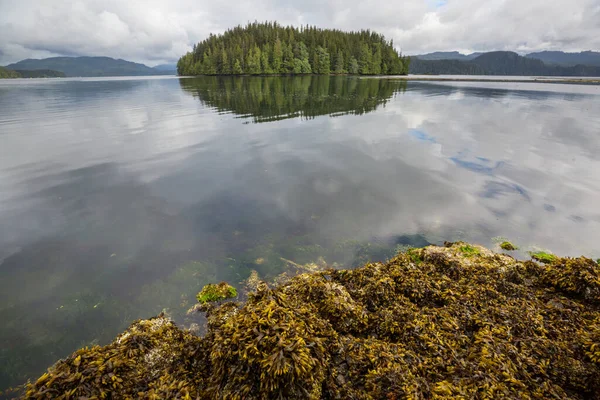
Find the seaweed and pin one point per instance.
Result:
(508, 246)
(216, 292)
(462, 322)
(543, 256)
(468, 250)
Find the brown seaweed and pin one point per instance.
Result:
(441, 322)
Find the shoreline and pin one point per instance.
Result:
(474, 78)
(440, 78)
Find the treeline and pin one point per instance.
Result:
(38, 73)
(269, 48)
(499, 63)
(270, 98)
(8, 73)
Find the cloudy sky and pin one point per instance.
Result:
(157, 31)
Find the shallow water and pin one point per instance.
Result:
(122, 197)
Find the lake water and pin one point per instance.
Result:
(122, 197)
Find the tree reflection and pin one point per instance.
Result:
(267, 99)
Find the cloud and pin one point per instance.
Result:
(156, 31)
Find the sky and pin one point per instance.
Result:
(160, 31)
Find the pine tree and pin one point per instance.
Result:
(353, 67)
(277, 57)
(237, 68)
(323, 60)
(365, 60)
(339, 63)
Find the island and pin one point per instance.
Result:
(446, 322)
(272, 49)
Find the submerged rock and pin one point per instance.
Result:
(441, 322)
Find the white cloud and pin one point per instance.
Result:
(157, 31)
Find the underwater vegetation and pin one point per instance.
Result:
(452, 322)
(212, 292)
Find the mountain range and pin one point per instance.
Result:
(89, 67)
(545, 63)
(548, 63)
(548, 57)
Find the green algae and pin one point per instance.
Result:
(415, 255)
(216, 292)
(468, 250)
(543, 256)
(508, 246)
(460, 324)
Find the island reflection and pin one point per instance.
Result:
(267, 99)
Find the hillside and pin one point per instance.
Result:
(509, 63)
(269, 48)
(453, 322)
(7, 73)
(444, 67)
(87, 66)
(447, 55)
(40, 73)
(567, 59)
(499, 63)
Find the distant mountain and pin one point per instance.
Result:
(87, 66)
(171, 68)
(509, 63)
(447, 55)
(499, 63)
(419, 66)
(567, 59)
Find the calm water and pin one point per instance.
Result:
(122, 197)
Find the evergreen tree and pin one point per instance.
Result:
(264, 61)
(224, 68)
(324, 62)
(288, 59)
(353, 66)
(237, 68)
(277, 57)
(365, 60)
(339, 63)
(376, 61)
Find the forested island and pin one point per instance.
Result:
(270, 49)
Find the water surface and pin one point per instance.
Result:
(122, 197)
